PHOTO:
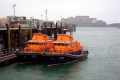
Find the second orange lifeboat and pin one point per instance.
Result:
(65, 50)
(38, 45)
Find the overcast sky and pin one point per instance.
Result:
(106, 10)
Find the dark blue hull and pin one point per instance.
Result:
(56, 59)
(29, 57)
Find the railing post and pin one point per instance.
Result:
(55, 32)
(51, 29)
(20, 37)
(30, 32)
(74, 27)
(8, 31)
(61, 28)
(45, 28)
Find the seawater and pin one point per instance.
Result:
(103, 62)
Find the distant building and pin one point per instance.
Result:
(84, 21)
(114, 25)
(20, 20)
(3, 21)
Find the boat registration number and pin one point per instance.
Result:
(61, 57)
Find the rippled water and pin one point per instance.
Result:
(103, 62)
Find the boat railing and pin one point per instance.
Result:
(85, 48)
(5, 52)
(61, 51)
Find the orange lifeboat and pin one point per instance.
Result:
(38, 45)
(65, 44)
(65, 50)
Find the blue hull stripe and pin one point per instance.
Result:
(56, 60)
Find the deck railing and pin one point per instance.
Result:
(7, 52)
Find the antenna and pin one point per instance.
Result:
(41, 17)
(61, 18)
(46, 14)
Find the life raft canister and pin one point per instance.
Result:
(15, 25)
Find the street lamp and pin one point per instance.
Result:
(14, 9)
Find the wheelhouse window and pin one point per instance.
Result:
(55, 44)
(43, 43)
(66, 44)
(32, 42)
(69, 44)
(39, 43)
(28, 43)
(58, 44)
(74, 44)
(62, 44)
